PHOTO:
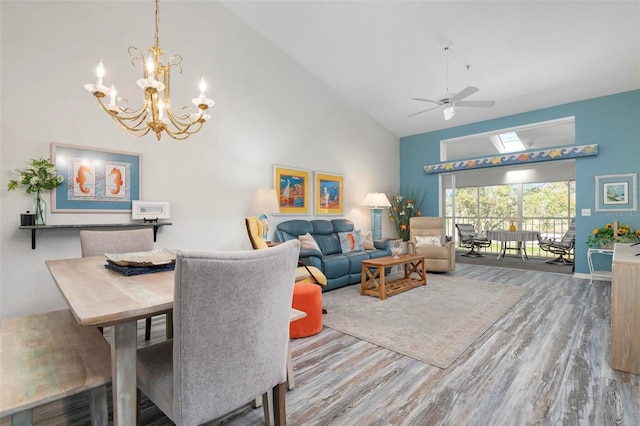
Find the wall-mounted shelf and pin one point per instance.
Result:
(35, 228)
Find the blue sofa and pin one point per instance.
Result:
(340, 268)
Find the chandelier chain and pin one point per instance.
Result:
(156, 38)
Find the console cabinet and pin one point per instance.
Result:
(625, 309)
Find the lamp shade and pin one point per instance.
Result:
(265, 200)
(376, 200)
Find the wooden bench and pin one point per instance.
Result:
(46, 357)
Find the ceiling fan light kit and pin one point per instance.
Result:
(449, 112)
(450, 100)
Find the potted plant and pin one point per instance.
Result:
(39, 177)
(404, 205)
(607, 235)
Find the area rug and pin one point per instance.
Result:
(434, 324)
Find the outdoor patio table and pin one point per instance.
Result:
(505, 236)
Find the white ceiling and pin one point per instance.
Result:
(525, 55)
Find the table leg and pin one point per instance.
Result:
(383, 289)
(123, 372)
(503, 249)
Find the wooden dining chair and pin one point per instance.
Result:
(231, 333)
(96, 243)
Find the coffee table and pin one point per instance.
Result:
(373, 279)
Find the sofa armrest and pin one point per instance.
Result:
(381, 244)
(411, 247)
(308, 252)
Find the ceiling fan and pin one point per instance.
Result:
(451, 100)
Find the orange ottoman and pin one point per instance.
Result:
(307, 297)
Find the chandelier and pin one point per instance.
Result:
(155, 113)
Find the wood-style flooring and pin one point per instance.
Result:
(545, 362)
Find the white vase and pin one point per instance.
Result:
(40, 210)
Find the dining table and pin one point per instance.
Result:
(100, 297)
(517, 236)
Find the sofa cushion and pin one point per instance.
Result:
(291, 229)
(434, 240)
(342, 225)
(433, 252)
(335, 265)
(367, 241)
(350, 241)
(307, 241)
(355, 261)
(329, 244)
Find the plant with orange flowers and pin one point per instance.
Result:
(403, 208)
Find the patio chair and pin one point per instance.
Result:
(564, 247)
(469, 238)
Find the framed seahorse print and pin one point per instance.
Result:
(95, 180)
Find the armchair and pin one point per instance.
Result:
(427, 237)
(469, 238)
(562, 248)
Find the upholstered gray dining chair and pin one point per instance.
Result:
(231, 333)
(95, 243)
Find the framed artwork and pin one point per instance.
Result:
(617, 192)
(95, 180)
(329, 191)
(293, 190)
(150, 210)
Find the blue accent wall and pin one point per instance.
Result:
(612, 122)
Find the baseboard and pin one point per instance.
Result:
(588, 277)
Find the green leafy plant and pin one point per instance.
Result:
(404, 205)
(40, 176)
(607, 234)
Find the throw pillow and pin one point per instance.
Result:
(307, 241)
(350, 241)
(367, 241)
(428, 241)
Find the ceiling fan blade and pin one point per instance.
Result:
(467, 91)
(480, 104)
(427, 100)
(420, 112)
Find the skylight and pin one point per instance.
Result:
(511, 142)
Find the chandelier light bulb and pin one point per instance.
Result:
(203, 86)
(150, 68)
(100, 73)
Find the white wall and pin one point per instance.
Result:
(269, 110)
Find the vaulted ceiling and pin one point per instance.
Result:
(525, 55)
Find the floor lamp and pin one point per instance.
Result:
(376, 202)
(265, 201)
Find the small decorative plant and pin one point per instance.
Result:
(607, 234)
(40, 176)
(403, 208)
